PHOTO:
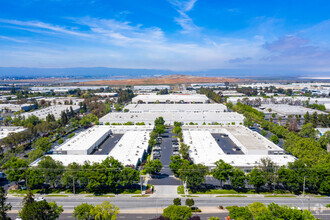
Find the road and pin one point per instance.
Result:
(128, 204)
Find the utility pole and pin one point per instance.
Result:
(141, 178)
(304, 188)
(74, 186)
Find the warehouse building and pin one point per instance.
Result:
(16, 107)
(55, 110)
(170, 117)
(129, 145)
(6, 130)
(195, 108)
(236, 145)
(170, 99)
(286, 110)
(152, 87)
(85, 142)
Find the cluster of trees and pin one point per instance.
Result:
(258, 210)
(315, 106)
(317, 119)
(125, 95)
(313, 159)
(110, 175)
(96, 107)
(192, 174)
(177, 130)
(105, 210)
(211, 94)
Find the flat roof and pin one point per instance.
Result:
(285, 109)
(203, 146)
(5, 130)
(170, 117)
(241, 135)
(79, 159)
(175, 107)
(171, 97)
(56, 110)
(131, 147)
(85, 139)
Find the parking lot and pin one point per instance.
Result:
(165, 157)
(108, 144)
(226, 144)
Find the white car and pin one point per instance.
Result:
(39, 199)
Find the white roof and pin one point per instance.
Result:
(5, 130)
(85, 139)
(56, 110)
(284, 109)
(176, 107)
(250, 161)
(131, 147)
(170, 117)
(171, 97)
(240, 135)
(80, 159)
(203, 146)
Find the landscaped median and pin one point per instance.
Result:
(233, 193)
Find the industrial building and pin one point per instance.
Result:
(170, 117)
(61, 100)
(55, 110)
(65, 88)
(152, 87)
(128, 144)
(170, 99)
(236, 145)
(195, 108)
(85, 142)
(286, 110)
(16, 107)
(5, 130)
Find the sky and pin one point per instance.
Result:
(267, 37)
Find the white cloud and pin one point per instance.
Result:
(183, 7)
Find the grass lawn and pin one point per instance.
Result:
(56, 196)
(141, 196)
(188, 196)
(279, 196)
(100, 195)
(232, 196)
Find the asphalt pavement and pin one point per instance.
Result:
(226, 144)
(108, 144)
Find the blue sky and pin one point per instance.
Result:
(262, 36)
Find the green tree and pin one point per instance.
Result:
(43, 144)
(184, 151)
(240, 213)
(190, 202)
(4, 207)
(52, 170)
(128, 176)
(247, 122)
(177, 201)
(258, 209)
(35, 154)
(194, 174)
(175, 212)
(71, 175)
(324, 140)
(153, 166)
(105, 211)
(237, 179)
(308, 131)
(60, 141)
(275, 139)
(264, 133)
(83, 212)
(15, 169)
(176, 163)
(35, 177)
(222, 171)
(159, 121)
(256, 178)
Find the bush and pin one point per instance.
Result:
(60, 141)
(71, 135)
(195, 209)
(328, 205)
(177, 201)
(220, 207)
